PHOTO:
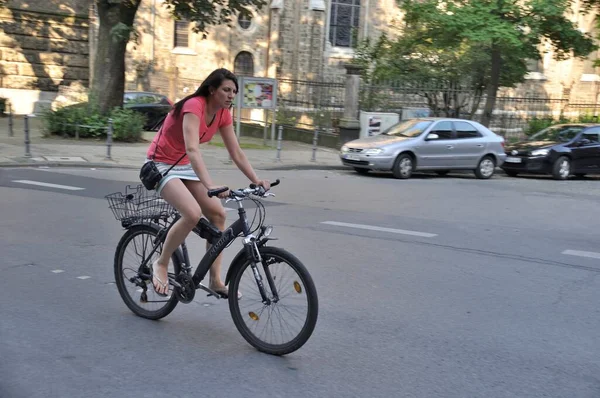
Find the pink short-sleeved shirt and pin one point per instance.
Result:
(171, 145)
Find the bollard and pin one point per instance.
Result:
(109, 135)
(11, 133)
(279, 138)
(27, 153)
(314, 150)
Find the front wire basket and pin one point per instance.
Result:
(137, 203)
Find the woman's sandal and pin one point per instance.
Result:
(224, 292)
(162, 284)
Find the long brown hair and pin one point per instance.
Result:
(214, 80)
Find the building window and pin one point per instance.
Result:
(182, 33)
(244, 64)
(343, 22)
(245, 19)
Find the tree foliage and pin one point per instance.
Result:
(480, 44)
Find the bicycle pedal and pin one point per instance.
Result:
(210, 291)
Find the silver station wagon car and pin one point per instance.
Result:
(432, 144)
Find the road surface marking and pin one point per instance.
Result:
(581, 253)
(84, 277)
(58, 271)
(45, 184)
(382, 229)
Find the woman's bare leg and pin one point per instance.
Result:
(215, 212)
(178, 195)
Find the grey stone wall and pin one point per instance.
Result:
(44, 44)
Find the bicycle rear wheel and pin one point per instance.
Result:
(135, 285)
(281, 327)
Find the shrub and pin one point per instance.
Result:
(587, 118)
(535, 125)
(127, 125)
(86, 120)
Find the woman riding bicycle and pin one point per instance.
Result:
(192, 121)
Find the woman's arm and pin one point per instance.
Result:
(238, 156)
(191, 126)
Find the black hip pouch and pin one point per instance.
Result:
(150, 175)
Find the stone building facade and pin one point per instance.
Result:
(287, 39)
(44, 49)
(47, 48)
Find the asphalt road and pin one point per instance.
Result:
(429, 287)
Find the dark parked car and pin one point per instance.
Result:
(154, 106)
(560, 150)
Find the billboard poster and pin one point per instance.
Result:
(259, 93)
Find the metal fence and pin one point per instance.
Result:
(305, 103)
(511, 117)
(320, 103)
(311, 103)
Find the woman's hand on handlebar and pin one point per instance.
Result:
(266, 184)
(221, 195)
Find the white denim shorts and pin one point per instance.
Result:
(183, 172)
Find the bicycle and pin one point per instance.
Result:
(147, 218)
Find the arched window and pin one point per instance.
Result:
(244, 64)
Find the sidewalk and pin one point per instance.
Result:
(55, 151)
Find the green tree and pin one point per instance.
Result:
(496, 36)
(116, 19)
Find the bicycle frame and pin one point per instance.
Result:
(229, 235)
(226, 237)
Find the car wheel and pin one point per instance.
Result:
(511, 173)
(561, 170)
(485, 168)
(362, 171)
(442, 172)
(403, 166)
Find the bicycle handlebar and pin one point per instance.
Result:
(254, 189)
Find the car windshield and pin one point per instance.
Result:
(409, 128)
(557, 133)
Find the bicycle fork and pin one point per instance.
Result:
(254, 254)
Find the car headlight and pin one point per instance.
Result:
(344, 149)
(540, 152)
(373, 151)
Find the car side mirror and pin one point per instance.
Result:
(584, 141)
(432, 136)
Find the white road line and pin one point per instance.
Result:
(581, 253)
(84, 277)
(45, 184)
(382, 229)
(58, 271)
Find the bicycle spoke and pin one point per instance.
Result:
(281, 321)
(135, 252)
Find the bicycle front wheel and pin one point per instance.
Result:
(134, 282)
(285, 324)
